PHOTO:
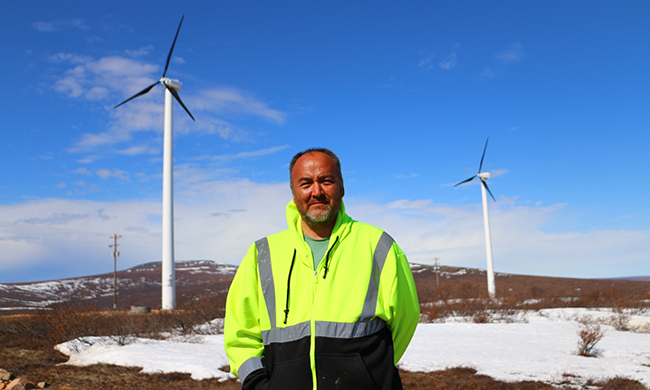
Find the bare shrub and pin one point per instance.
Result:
(433, 312)
(621, 317)
(200, 313)
(616, 383)
(67, 322)
(537, 292)
(467, 290)
(80, 321)
(476, 310)
(589, 335)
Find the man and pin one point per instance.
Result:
(329, 303)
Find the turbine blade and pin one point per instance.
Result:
(465, 181)
(488, 190)
(169, 57)
(483, 156)
(144, 91)
(178, 98)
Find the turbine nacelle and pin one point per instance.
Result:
(173, 83)
(481, 175)
(484, 175)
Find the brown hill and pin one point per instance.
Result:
(457, 282)
(141, 286)
(137, 286)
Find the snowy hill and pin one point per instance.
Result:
(141, 286)
(137, 286)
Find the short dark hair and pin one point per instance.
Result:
(328, 152)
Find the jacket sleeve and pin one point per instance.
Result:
(242, 334)
(404, 304)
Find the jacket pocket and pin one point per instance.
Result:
(343, 372)
(290, 375)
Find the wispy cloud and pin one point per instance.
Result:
(82, 171)
(449, 62)
(427, 61)
(233, 100)
(141, 52)
(108, 173)
(111, 74)
(103, 173)
(487, 73)
(251, 154)
(60, 25)
(138, 150)
(514, 53)
(110, 80)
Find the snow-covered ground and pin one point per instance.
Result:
(543, 347)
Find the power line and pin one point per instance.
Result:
(436, 267)
(115, 254)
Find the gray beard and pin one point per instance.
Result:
(319, 220)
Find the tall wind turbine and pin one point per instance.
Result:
(486, 221)
(171, 90)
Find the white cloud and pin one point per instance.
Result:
(487, 73)
(141, 52)
(514, 53)
(218, 220)
(138, 150)
(449, 62)
(426, 62)
(220, 100)
(108, 173)
(250, 154)
(59, 25)
(111, 80)
(109, 75)
(520, 243)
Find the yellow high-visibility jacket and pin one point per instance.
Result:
(344, 325)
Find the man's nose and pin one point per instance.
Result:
(316, 190)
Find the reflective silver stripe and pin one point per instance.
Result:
(341, 330)
(250, 365)
(364, 327)
(285, 335)
(275, 334)
(378, 260)
(266, 276)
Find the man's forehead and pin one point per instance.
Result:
(312, 159)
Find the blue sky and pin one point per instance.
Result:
(406, 94)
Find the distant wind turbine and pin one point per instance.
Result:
(171, 90)
(486, 221)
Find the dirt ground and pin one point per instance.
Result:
(38, 366)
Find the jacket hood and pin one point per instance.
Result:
(294, 220)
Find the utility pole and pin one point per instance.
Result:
(436, 267)
(115, 254)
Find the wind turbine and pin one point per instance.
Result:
(171, 90)
(486, 221)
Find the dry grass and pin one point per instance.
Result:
(26, 342)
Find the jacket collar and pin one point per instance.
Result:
(341, 228)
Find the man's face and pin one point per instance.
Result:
(317, 189)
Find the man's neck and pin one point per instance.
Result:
(318, 232)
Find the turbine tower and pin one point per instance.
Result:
(486, 221)
(171, 90)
